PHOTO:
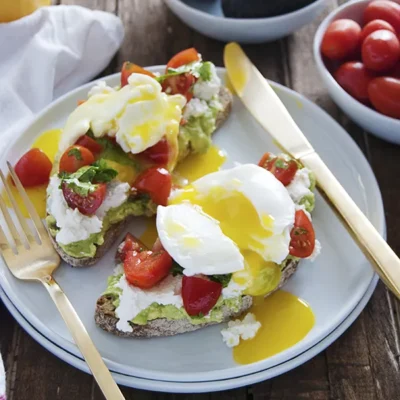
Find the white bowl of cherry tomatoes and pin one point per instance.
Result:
(357, 52)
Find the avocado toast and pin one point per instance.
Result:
(220, 256)
(135, 136)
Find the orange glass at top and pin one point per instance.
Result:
(11, 10)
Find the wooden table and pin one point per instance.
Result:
(364, 363)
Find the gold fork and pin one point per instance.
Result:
(32, 257)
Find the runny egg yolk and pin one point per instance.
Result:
(285, 320)
(48, 143)
(240, 221)
(197, 165)
(149, 236)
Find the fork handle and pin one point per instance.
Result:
(82, 339)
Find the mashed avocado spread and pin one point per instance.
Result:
(155, 311)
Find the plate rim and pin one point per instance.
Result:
(227, 373)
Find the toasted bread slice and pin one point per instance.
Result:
(106, 319)
(115, 230)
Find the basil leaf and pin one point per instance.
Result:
(176, 269)
(222, 279)
(74, 152)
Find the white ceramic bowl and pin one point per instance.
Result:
(244, 30)
(372, 121)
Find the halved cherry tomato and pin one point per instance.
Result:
(384, 93)
(33, 168)
(283, 170)
(157, 183)
(75, 157)
(383, 9)
(130, 243)
(129, 68)
(302, 236)
(179, 84)
(89, 143)
(375, 25)
(199, 294)
(380, 50)
(146, 268)
(184, 57)
(87, 205)
(341, 39)
(354, 78)
(158, 153)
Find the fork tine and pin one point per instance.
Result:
(4, 244)
(40, 228)
(21, 219)
(10, 224)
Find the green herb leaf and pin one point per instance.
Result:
(279, 163)
(176, 269)
(196, 68)
(222, 279)
(74, 152)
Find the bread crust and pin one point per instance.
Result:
(116, 229)
(106, 319)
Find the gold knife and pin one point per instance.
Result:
(258, 96)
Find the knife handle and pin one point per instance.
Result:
(370, 241)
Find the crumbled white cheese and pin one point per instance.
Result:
(133, 300)
(232, 290)
(195, 108)
(300, 185)
(100, 88)
(74, 226)
(316, 251)
(206, 90)
(245, 330)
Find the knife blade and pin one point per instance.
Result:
(266, 107)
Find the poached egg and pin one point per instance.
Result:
(232, 221)
(138, 115)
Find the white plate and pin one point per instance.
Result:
(195, 387)
(333, 285)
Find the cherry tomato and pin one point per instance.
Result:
(130, 243)
(384, 93)
(129, 68)
(199, 294)
(395, 71)
(341, 39)
(89, 143)
(146, 268)
(383, 9)
(184, 57)
(33, 168)
(283, 170)
(157, 183)
(375, 25)
(380, 50)
(158, 153)
(302, 236)
(179, 84)
(87, 205)
(354, 78)
(75, 157)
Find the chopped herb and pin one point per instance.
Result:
(74, 152)
(300, 231)
(222, 279)
(200, 315)
(176, 269)
(195, 68)
(279, 163)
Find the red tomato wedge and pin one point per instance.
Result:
(146, 268)
(199, 294)
(157, 183)
(179, 84)
(90, 144)
(302, 236)
(33, 168)
(183, 57)
(283, 170)
(129, 68)
(75, 157)
(158, 153)
(130, 243)
(87, 205)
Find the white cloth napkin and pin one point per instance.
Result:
(43, 56)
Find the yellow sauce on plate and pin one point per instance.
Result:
(285, 320)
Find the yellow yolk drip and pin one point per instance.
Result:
(198, 165)
(150, 235)
(285, 320)
(48, 143)
(239, 221)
